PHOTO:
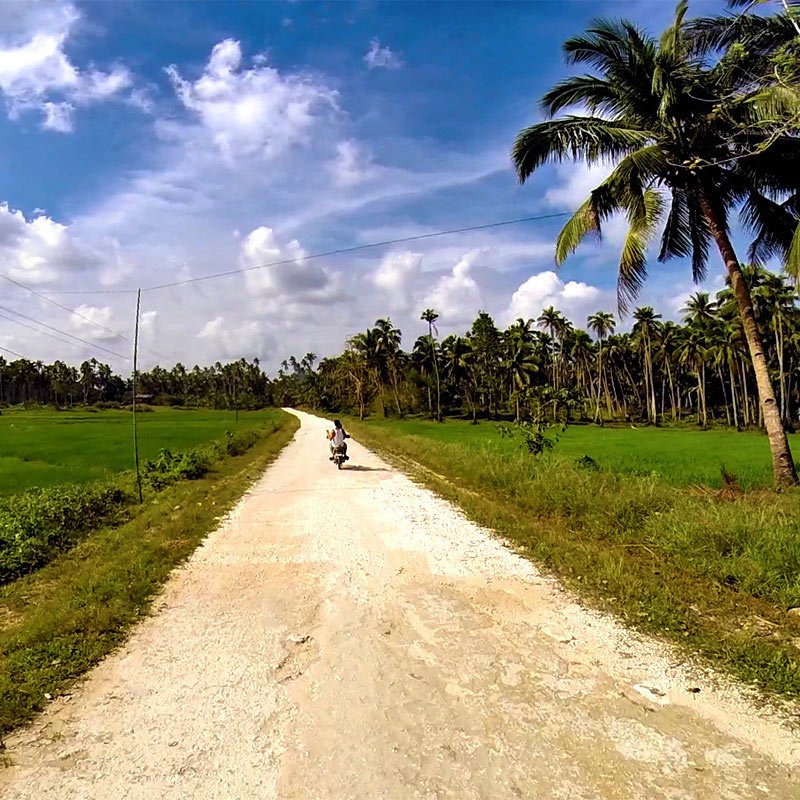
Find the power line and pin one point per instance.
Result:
(36, 330)
(64, 333)
(65, 308)
(343, 250)
(76, 313)
(14, 353)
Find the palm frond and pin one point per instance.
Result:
(589, 138)
(700, 234)
(772, 225)
(594, 93)
(792, 264)
(760, 35)
(676, 239)
(633, 262)
(584, 221)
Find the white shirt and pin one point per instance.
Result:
(338, 436)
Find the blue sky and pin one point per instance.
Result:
(142, 143)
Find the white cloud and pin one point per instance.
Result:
(88, 324)
(350, 166)
(457, 295)
(255, 111)
(575, 299)
(235, 340)
(40, 250)
(36, 73)
(381, 56)
(58, 117)
(294, 279)
(398, 271)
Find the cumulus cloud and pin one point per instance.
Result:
(233, 339)
(94, 322)
(457, 295)
(256, 111)
(36, 73)
(575, 299)
(381, 56)
(293, 279)
(397, 274)
(40, 250)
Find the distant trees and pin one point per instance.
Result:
(240, 383)
(697, 371)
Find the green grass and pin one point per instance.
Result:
(678, 456)
(714, 575)
(46, 447)
(61, 620)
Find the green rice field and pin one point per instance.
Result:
(678, 456)
(45, 447)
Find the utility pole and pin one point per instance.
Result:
(133, 394)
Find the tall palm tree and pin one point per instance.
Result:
(430, 316)
(694, 353)
(460, 370)
(387, 342)
(520, 364)
(423, 356)
(701, 132)
(645, 330)
(601, 324)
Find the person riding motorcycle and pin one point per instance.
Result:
(336, 439)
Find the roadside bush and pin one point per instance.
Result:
(168, 467)
(238, 443)
(38, 524)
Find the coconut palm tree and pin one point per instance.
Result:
(645, 331)
(694, 354)
(387, 344)
(423, 356)
(601, 324)
(460, 370)
(678, 125)
(430, 316)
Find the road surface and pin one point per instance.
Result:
(348, 635)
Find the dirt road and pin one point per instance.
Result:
(349, 635)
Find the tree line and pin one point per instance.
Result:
(238, 384)
(696, 371)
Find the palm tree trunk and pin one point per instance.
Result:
(781, 381)
(733, 394)
(703, 392)
(782, 465)
(746, 401)
(724, 394)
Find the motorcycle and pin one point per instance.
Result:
(340, 455)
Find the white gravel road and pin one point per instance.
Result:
(349, 635)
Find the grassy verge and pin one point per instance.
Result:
(61, 620)
(713, 574)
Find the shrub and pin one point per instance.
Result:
(170, 467)
(37, 524)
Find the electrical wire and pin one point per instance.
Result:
(65, 308)
(36, 330)
(355, 248)
(14, 353)
(76, 313)
(93, 345)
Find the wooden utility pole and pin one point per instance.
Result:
(133, 394)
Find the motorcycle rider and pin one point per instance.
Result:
(336, 438)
